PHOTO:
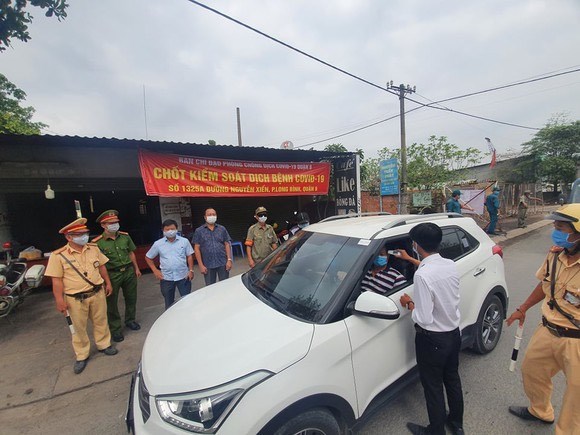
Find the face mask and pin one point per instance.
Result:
(81, 240)
(380, 261)
(262, 219)
(170, 234)
(415, 251)
(560, 238)
(211, 219)
(113, 228)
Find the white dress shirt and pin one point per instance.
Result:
(436, 294)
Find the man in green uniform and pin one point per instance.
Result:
(261, 239)
(123, 271)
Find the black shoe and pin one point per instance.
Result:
(133, 325)
(454, 428)
(117, 337)
(523, 413)
(109, 351)
(80, 366)
(417, 429)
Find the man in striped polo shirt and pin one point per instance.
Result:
(381, 278)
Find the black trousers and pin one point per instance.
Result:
(438, 362)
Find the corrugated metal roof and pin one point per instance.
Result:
(201, 150)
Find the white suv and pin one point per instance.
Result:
(293, 346)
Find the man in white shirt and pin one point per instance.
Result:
(437, 339)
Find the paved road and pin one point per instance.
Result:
(63, 403)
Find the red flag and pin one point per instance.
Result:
(492, 151)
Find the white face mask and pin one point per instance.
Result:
(262, 219)
(113, 228)
(415, 251)
(81, 240)
(211, 219)
(170, 234)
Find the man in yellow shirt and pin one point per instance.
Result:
(78, 275)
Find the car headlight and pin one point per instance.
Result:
(204, 411)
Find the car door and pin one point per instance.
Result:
(459, 246)
(382, 350)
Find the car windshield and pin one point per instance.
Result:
(302, 276)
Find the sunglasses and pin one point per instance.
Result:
(262, 214)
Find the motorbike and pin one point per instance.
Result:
(16, 281)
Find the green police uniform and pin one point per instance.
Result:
(122, 274)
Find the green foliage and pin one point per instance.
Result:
(370, 168)
(437, 162)
(336, 148)
(556, 151)
(14, 19)
(211, 142)
(13, 117)
(428, 165)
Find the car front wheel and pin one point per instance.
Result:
(489, 325)
(313, 422)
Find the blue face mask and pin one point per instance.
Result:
(380, 261)
(560, 238)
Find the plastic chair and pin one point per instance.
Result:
(238, 245)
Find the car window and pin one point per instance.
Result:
(302, 276)
(456, 242)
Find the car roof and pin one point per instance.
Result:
(368, 226)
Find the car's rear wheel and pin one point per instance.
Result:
(313, 422)
(489, 325)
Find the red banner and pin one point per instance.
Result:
(175, 175)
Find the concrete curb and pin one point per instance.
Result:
(509, 237)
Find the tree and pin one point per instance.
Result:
(556, 149)
(13, 117)
(428, 165)
(437, 162)
(14, 18)
(211, 142)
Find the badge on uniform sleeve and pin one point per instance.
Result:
(96, 264)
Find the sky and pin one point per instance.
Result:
(96, 73)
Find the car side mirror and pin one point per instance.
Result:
(374, 305)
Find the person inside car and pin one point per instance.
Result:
(381, 277)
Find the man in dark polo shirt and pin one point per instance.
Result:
(213, 252)
(123, 271)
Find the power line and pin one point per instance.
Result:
(523, 82)
(430, 105)
(278, 41)
(221, 14)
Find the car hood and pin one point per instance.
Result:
(217, 334)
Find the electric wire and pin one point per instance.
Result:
(431, 105)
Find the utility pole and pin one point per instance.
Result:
(403, 90)
(239, 127)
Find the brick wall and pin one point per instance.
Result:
(371, 203)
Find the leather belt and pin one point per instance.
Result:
(427, 332)
(85, 295)
(560, 331)
(121, 268)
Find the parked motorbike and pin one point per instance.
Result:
(16, 281)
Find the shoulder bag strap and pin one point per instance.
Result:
(77, 271)
(552, 302)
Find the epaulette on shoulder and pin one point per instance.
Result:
(124, 233)
(556, 249)
(93, 244)
(96, 239)
(59, 250)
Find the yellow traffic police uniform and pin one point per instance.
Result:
(548, 353)
(93, 307)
